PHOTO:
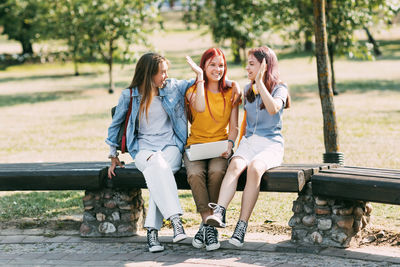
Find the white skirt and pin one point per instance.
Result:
(260, 148)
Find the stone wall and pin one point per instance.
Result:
(111, 212)
(327, 222)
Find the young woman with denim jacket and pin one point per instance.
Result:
(205, 176)
(261, 147)
(156, 135)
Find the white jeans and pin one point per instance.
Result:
(158, 171)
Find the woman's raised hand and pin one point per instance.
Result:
(195, 68)
(261, 71)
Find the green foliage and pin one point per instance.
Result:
(240, 21)
(24, 21)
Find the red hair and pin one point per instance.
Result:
(209, 54)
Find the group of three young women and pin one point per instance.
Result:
(157, 136)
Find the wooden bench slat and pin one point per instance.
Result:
(336, 185)
(365, 173)
(51, 176)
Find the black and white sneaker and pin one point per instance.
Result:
(211, 238)
(179, 232)
(218, 217)
(198, 239)
(237, 238)
(152, 241)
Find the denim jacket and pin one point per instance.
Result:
(173, 102)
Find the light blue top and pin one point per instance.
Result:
(173, 101)
(260, 122)
(155, 130)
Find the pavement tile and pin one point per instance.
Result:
(34, 239)
(74, 239)
(12, 239)
(7, 232)
(4, 262)
(35, 231)
(31, 255)
(267, 247)
(102, 263)
(54, 255)
(31, 262)
(8, 256)
(309, 249)
(286, 247)
(57, 239)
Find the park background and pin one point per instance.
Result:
(49, 114)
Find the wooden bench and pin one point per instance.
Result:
(368, 184)
(93, 176)
(332, 199)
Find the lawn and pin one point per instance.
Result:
(48, 114)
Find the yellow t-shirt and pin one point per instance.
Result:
(204, 128)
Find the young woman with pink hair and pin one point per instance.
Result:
(261, 147)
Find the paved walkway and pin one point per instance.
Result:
(38, 247)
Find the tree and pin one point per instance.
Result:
(240, 21)
(24, 21)
(112, 27)
(68, 22)
(331, 138)
(343, 18)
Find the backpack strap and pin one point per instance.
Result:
(123, 143)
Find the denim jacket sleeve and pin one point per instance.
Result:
(119, 117)
(183, 85)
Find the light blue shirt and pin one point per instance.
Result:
(173, 101)
(260, 122)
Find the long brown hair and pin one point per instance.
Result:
(222, 87)
(146, 68)
(271, 77)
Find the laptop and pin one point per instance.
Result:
(206, 150)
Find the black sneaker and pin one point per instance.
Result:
(152, 241)
(179, 232)
(198, 239)
(237, 238)
(211, 238)
(218, 217)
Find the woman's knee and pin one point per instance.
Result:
(256, 168)
(237, 165)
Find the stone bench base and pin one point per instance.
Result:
(111, 213)
(325, 221)
(316, 221)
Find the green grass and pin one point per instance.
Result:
(42, 205)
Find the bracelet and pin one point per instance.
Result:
(233, 142)
(113, 156)
(200, 81)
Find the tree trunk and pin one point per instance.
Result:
(74, 59)
(331, 139)
(26, 47)
(236, 52)
(110, 67)
(308, 44)
(331, 51)
(377, 51)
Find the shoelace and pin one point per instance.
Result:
(178, 227)
(153, 238)
(240, 231)
(210, 235)
(199, 235)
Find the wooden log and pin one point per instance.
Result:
(348, 186)
(51, 176)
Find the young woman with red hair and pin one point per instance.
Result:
(209, 125)
(261, 147)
